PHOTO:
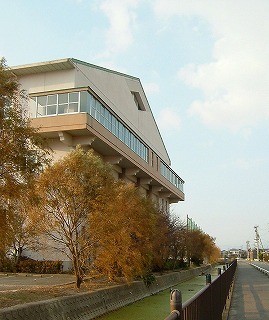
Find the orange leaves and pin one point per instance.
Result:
(123, 232)
(68, 192)
(23, 151)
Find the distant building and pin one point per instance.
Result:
(74, 102)
(234, 252)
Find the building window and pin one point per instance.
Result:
(138, 101)
(83, 101)
(171, 176)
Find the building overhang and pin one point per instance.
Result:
(74, 129)
(55, 65)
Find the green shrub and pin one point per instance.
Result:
(148, 278)
(175, 265)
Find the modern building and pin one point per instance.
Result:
(74, 102)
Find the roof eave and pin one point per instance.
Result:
(47, 66)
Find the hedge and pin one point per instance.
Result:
(34, 266)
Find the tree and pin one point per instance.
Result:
(67, 193)
(201, 247)
(122, 229)
(178, 242)
(211, 251)
(21, 232)
(23, 151)
(169, 242)
(162, 241)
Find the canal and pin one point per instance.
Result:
(157, 307)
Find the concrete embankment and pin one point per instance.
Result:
(86, 306)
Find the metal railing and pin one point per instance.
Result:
(207, 304)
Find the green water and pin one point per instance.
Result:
(157, 307)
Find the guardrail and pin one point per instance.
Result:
(207, 304)
(266, 272)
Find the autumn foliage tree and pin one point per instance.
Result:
(162, 240)
(201, 247)
(66, 195)
(178, 242)
(21, 232)
(23, 151)
(123, 229)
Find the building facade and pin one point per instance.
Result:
(74, 102)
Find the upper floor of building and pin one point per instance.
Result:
(73, 102)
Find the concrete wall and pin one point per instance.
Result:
(86, 306)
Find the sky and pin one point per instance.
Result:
(204, 67)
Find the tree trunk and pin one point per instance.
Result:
(79, 281)
(78, 272)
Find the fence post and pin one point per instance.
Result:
(176, 302)
(208, 278)
(219, 271)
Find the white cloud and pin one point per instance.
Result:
(121, 17)
(235, 84)
(151, 88)
(168, 120)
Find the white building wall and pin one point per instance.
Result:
(48, 81)
(115, 91)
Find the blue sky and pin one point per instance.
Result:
(204, 67)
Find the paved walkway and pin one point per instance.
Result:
(15, 282)
(250, 298)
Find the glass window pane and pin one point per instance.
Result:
(33, 107)
(42, 100)
(41, 106)
(106, 113)
(102, 120)
(84, 104)
(63, 98)
(121, 133)
(109, 121)
(98, 110)
(73, 97)
(73, 107)
(51, 109)
(114, 125)
(41, 111)
(98, 106)
(93, 112)
(92, 103)
(63, 108)
(52, 99)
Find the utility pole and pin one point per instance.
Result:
(258, 240)
(248, 251)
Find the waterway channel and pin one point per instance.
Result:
(157, 307)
